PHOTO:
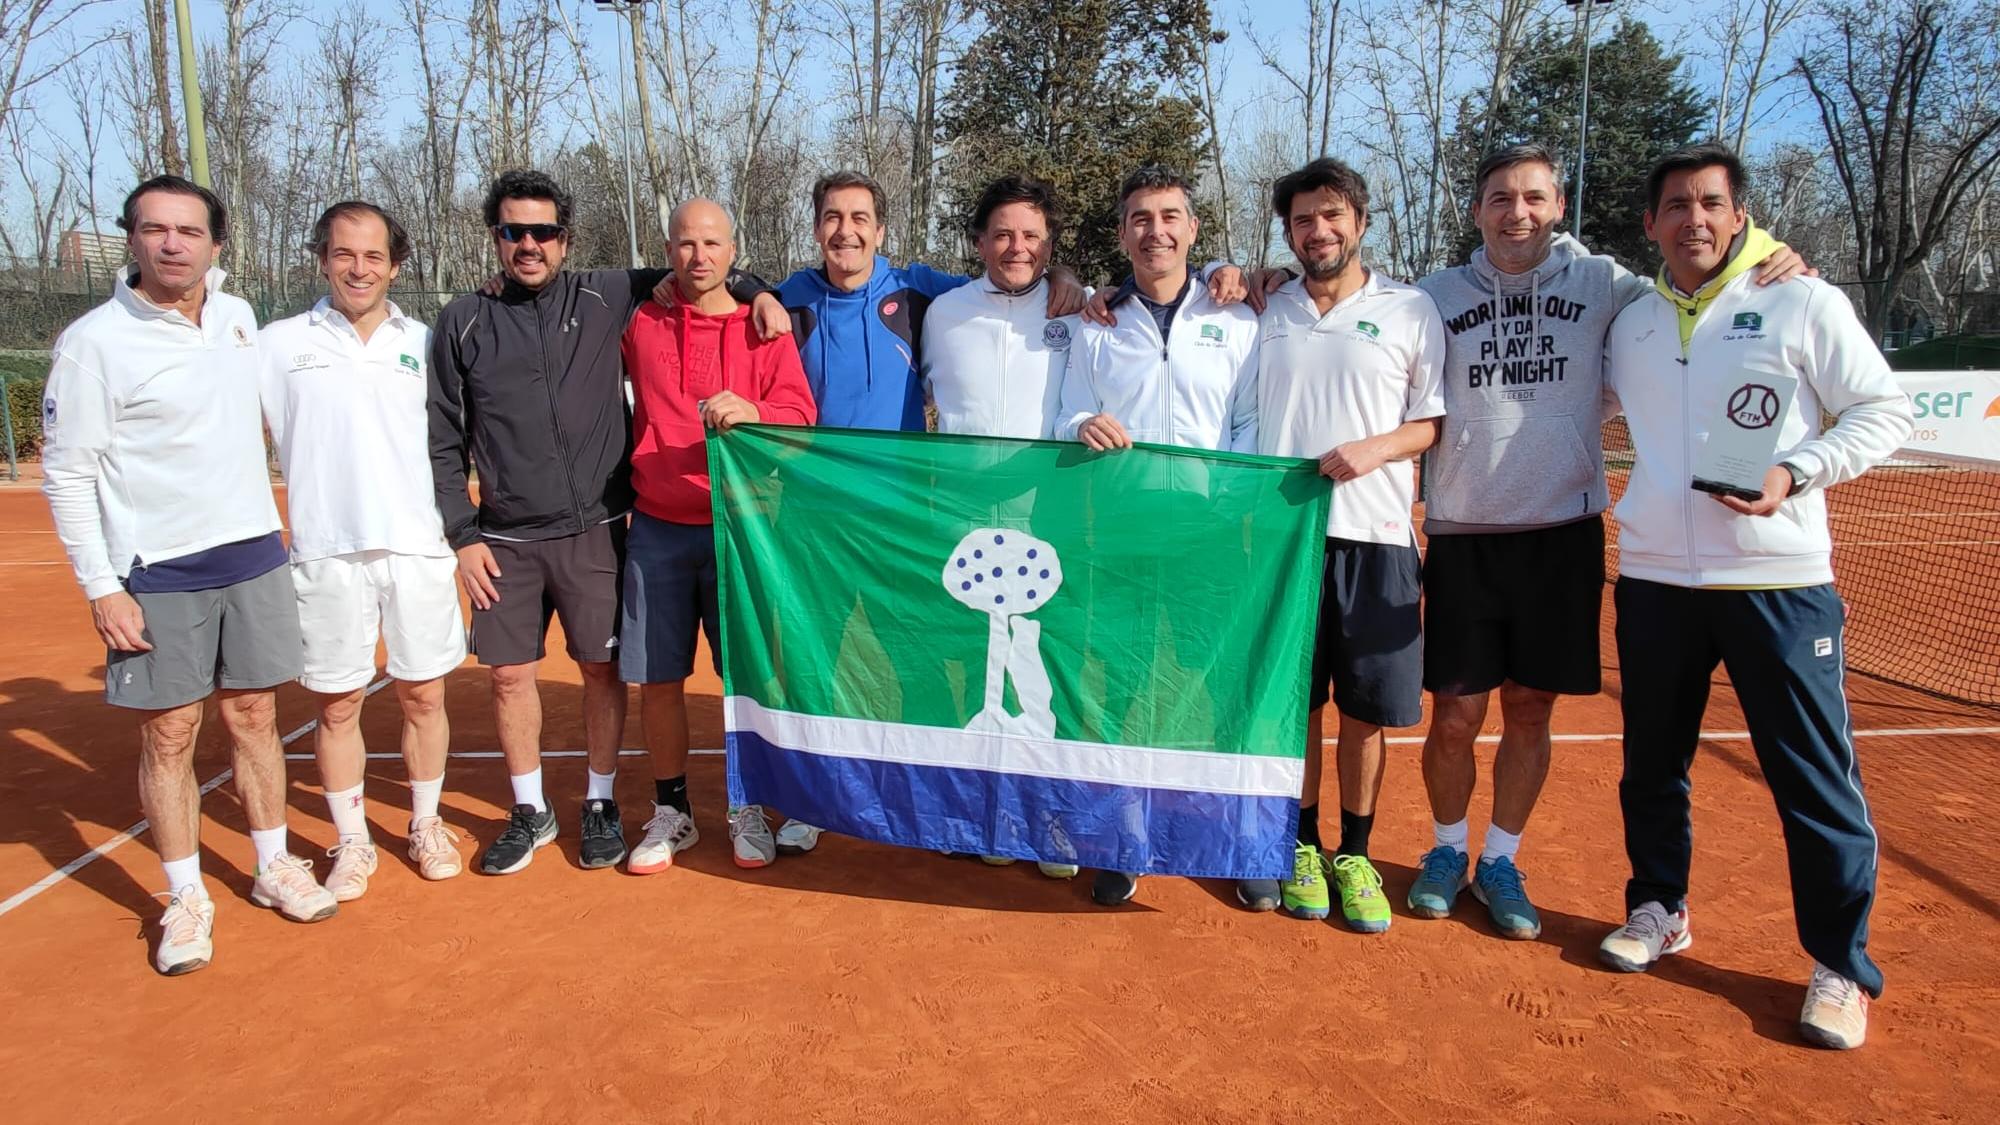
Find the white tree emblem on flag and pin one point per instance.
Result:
(1008, 575)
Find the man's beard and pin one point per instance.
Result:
(1328, 270)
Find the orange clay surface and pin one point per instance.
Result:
(871, 983)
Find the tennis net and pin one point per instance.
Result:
(1916, 557)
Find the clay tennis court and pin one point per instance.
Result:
(864, 982)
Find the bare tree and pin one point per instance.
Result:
(52, 208)
(446, 88)
(1224, 210)
(932, 23)
(1509, 28)
(773, 23)
(1314, 88)
(1406, 73)
(1909, 105)
(1751, 37)
(33, 45)
(162, 99)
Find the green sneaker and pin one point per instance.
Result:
(1361, 901)
(1303, 893)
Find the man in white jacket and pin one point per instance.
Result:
(1707, 578)
(153, 463)
(1177, 368)
(344, 389)
(993, 358)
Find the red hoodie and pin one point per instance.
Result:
(676, 358)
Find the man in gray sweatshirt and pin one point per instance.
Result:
(1515, 495)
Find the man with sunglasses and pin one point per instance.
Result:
(527, 385)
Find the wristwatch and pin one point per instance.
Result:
(1798, 476)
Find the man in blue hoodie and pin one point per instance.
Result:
(859, 320)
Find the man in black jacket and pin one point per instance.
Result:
(526, 383)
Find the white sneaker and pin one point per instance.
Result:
(1059, 870)
(670, 831)
(750, 836)
(1648, 935)
(797, 836)
(186, 933)
(353, 862)
(287, 886)
(1836, 1011)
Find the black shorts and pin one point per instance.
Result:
(576, 578)
(1370, 643)
(1515, 605)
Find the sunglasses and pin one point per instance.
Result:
(520, 232)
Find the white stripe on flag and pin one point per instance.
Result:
(1201, 771)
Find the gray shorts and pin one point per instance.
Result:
(238, 638)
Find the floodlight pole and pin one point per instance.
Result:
(1583, 114)
(618, 7)
(197, 126)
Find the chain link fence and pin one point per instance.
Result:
(38, 300)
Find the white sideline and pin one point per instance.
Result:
(101, 850)
(107, 847)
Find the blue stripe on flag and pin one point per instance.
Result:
(984, 812)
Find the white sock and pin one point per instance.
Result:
(350, 816)
(424, 798)
(270, 844)
(528, 789)
(184, 876)
(1451, 835)
(601, 786)
(1500, 844)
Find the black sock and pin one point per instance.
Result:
(1309, 825)
(672, 791)
(1354, 829)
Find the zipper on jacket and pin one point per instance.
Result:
(1687, 453)
(555, 415)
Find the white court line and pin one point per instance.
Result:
(98, 852)
(107, 847)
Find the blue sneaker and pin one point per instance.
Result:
(1498, 884)
(1439, 879)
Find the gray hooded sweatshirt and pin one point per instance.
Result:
(1522, 445)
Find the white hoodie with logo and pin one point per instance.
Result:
(1673, 393)
(993, 361)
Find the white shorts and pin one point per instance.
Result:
(347, 601)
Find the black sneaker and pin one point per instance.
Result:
(1259, 895)
(1112, 888)
(603, 836)
(515, 847)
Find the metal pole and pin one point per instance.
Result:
(625, 134)
(7, 411)
(197, 128)
(1582, 124)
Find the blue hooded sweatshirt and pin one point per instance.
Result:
(860, 349)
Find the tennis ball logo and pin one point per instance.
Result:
(1753, 406)
(1007, 575)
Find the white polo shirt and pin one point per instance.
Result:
(349, 421)
(1372, 363)
(151, 445)
(993, 361)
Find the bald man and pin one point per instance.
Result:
(697, 364)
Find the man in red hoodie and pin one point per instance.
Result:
(696, 365)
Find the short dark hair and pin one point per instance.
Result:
(1152, 177)
(399, 239)
(1693, 158)
(218, 215)
(1017, 189)
(1324, 173)
(1507, 156)
(526, 183)
(834, 181)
